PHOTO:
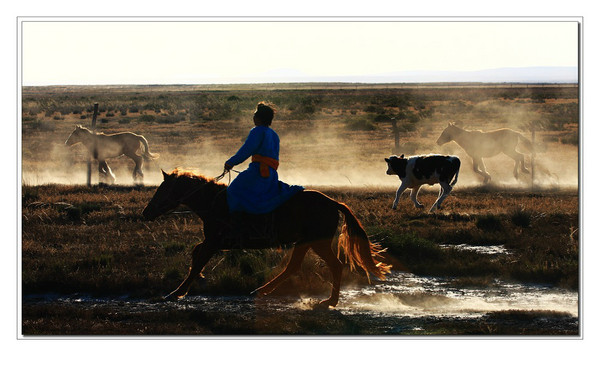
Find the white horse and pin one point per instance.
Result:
(103, 147)
(479, 144)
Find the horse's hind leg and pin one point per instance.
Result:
(293, 266)
(519, 159)
(137, 171)
(323, 249)
(201, 254)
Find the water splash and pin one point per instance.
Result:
(404, 294)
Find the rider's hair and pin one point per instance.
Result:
(265, 112)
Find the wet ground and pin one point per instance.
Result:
(404, 304)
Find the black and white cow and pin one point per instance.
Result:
(425, 169)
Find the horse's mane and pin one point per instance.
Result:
(189, 174)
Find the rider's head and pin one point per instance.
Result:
(264, 114)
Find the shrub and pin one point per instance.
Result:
(521, 218)
(360, 124)
(147, 118)
(489, 223)
(570, 138)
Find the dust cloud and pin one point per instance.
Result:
(315, 153)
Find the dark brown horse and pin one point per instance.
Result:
(308, 220)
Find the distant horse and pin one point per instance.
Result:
(103, 147)
(479, 144)
(307, 220)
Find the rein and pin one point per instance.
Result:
(200, 187)
(226, 172)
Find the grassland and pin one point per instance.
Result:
(329, 136)
(79, 239)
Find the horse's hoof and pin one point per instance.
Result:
(326, 304)
(171, 297)
(260, 291)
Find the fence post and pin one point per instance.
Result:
(89, 163)
(532, 157)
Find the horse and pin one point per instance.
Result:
(479, 144)
(308, 220)
(103, 146)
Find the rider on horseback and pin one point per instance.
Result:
(258, 190)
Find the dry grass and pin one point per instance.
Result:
(107, 248)
(92, 239)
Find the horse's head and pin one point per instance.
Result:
(76, 136)
(176, 188)
(448, 134)
(164, 199)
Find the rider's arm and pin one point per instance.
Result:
(249, 148)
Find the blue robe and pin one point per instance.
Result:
(249, 191)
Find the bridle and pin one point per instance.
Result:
(195, 190)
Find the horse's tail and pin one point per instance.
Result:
(456, 164)
(359, 250)
(146, 152)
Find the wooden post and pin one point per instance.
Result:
(532, 157)
(89, 163)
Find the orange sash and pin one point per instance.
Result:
(265, 163)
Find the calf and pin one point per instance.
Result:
(425, 169)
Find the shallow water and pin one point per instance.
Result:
(401, 295)
(483, 249)
(404, 294)
(403, 303)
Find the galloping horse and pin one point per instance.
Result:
(479, 144)
(103, 147)
(307, 220)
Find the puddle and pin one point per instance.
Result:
(483, 249)
(400, 295)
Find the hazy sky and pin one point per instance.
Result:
(138, 51)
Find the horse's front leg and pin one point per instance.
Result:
(105, 172)
(401, 189)
(477, 164)
(110, 173)
(201, 254)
